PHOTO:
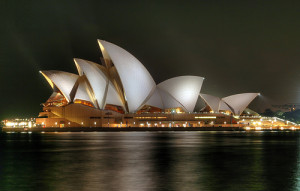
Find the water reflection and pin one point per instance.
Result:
(150, 161)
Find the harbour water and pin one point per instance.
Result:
(150, 161)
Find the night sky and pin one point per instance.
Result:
(238, 46)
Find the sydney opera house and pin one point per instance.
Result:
(122, 93)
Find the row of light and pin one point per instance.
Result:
(141, 124)
(21, 124)
(205, 117)
(259, 128)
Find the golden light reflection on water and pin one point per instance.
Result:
(150, 161)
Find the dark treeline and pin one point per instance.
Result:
(293, 116)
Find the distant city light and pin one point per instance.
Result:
(293, 128)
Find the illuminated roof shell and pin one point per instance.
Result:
(212, 101)
(112, 96)
(224, 106)
(83, 91)
(184, 89)
(136, 80)
(96, 78)
(64, 81)
(239, 102)
(168, 100)
(126, 82)
(156, 99)
(235, 103)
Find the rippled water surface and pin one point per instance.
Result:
(150, 161)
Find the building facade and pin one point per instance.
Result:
(120, 92)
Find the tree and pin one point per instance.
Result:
(293, 116)
(268, 113)
(279, 114)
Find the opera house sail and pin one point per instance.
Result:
(120, 92)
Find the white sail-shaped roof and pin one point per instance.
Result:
(84, 92)
(155, 100)
(212, 101)
(96, 78)
(224, 106)
(239, 102)
(112, 96)
(64, 81)
(185, 89)
(136, 80)
(168, 100)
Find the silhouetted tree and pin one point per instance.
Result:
(292, 116)
(279, 114)
(268, 113)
